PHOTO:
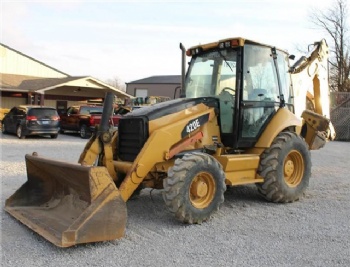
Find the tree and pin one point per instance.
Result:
(334, 22)
(117, 83)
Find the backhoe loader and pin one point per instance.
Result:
(234, 124)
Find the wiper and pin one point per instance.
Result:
(223, 57)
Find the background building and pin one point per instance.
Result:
(25, 80)
(166, 85)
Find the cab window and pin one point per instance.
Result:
(260, 79)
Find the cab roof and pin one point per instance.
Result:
(228, 42)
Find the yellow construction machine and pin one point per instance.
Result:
(234, 124)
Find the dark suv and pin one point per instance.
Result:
(31, 120)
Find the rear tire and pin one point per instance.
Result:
(194, 188)
(286, 168)
(54, 136)
(84, 132)
(19, 132)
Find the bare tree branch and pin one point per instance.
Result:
(333, 22)
(117, 83)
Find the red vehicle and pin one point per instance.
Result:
(83, 119)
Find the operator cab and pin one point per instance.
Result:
(250, 80)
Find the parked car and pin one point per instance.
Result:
(83, 119)
(27, 120)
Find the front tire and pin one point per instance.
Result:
(286, 168)
(19, 132)
(84, 132)
(194, 188)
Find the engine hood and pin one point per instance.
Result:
(169, 107)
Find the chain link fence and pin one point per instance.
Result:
(340, 115)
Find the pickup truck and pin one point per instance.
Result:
(83, 119)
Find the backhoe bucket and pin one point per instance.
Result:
(69, 204)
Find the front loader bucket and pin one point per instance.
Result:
(68, 204)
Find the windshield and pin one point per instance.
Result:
(42, 113)
(91, 110)
(209, 73)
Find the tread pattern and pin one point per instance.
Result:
(176, 187)
(274, 187)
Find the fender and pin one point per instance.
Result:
(282, 120)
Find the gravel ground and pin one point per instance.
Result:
(247, 231)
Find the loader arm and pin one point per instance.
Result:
(97, 152)
(99, 149)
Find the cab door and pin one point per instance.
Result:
(260, 96)
(72, 121)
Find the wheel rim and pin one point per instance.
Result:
(202, 190)
(293, 168)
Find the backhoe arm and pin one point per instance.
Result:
(310, 81)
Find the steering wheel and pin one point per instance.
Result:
(229, 89)
(227, 95)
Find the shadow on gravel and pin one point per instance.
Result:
(29, 137)
(43, 137)
(74, 134)
(150, 208)
(243, 193)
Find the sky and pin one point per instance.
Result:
(132, 40)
